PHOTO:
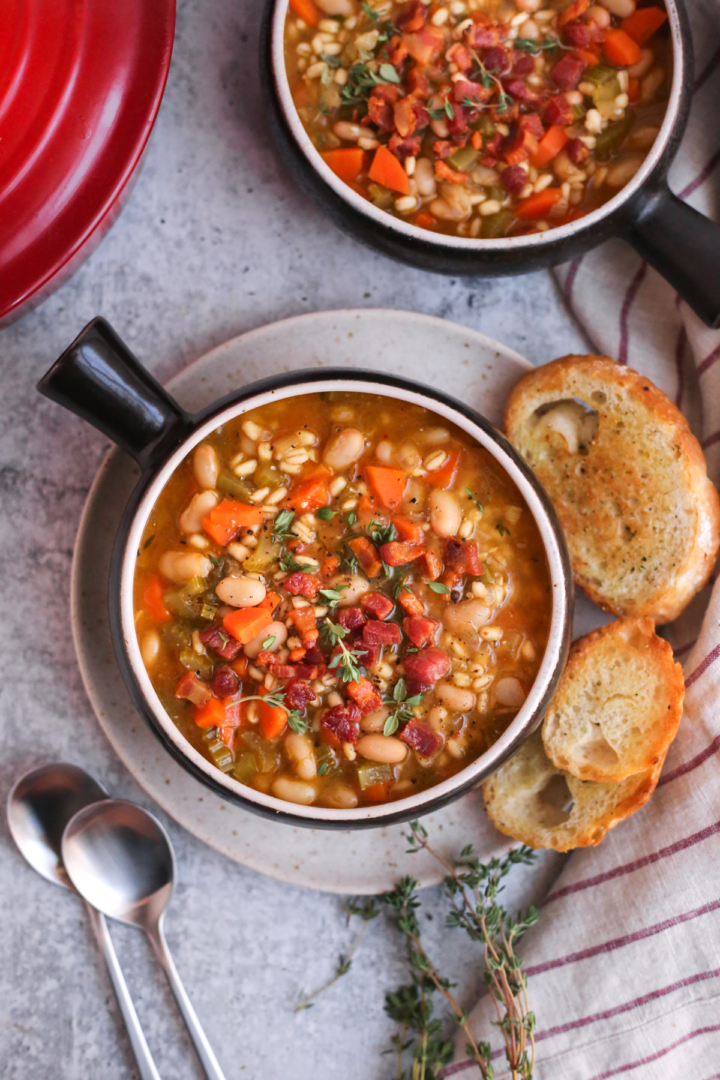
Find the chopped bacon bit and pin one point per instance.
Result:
(367, 555)
(396, 50)
(459, 55)
(443, 148)
(520, 90)
(300, 584)
(531, 122)
(432, 564)
(577, 151)
(522, 63)
(368, 653)
(484, 35)
(302, 671)
(404, 148)
(314, 656)
(380, 111)
(514, 179)
(558, 112)
(572, 12)
(423, 669)
(304, 619)
(423, 740)
(351, 618)
(343, 722)
(296, 655)
(567, 72)
(412, 17)
(404, 116)
(217, 638)
(425, 44)
(329, 567)
(364, 695)
(265, 658)
(420, 631)
(376, 604)
(519, 146)
(496, 60)
(225, 682)
(453, 176)
(299, 694)
(579, 35)
(464, 88)
(381, 633)
(398, 553)
(411, 602)
(462, 556)
(417, 83)
(191, 688)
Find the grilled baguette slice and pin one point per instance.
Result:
(538, 804)
(628, 480)
(618, 704)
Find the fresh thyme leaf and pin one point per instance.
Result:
(148, 542)
(403, 706)
(333, 596)
(367, 910)
(269, 641)
(436, 114)
(502, 529)
(299, 726)
(548, 44)
(381, 534)
(325, 513)
(334, 632)
(449, 111)
(373, 14)
(350, 562)
(322, 768)
(472, 496)
(215, 561)
(331, 61)
(281, 525)
(289, 563)
(388, 73)
(486, 79)
(401, 587)
(347, 663)
(438, 587)
(504, 102)
(350, 518)
(391, 724)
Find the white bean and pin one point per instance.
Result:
(150, 648)
(299, 750)
(385, 749)
(468, 614)
(509, 691)
(651, 84)
(425, 177)
(344, 448)
(445, 515)
(623, 171)
(344, 798)
(205, 466)
(384, 451)
(276, 630)
(350, 132)
(375, 721)
(241, 591)
(643, 65)
(454, 697)
(621, 8)
(437, 718)
(182, 566)
(355, 587)
(600, 16)
(297, 791)
(191, 519)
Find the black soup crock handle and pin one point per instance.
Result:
(684, 246)
(99, 379)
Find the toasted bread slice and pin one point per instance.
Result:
(618, 704)
(628, 480)
(538, 804)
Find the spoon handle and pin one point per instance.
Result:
(204, 1051)
(143, 1057)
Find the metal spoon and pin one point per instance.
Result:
(121, 860)
(39, 807)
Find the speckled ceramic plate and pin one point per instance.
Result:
(459, 361)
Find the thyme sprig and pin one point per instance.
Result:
(365, 910)
(472, 888)
(402, 707)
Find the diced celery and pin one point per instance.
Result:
(496, 192)
(464, 158)
(230, 484)
(221, 755)
(380, 196)
(200, 664)
(266, 753)
(599, 74)
(268, 476)
(495, 226)
(210, 735)
(245, 767)
(208, 610)
(194, 586)
(610, 140)
(325, 756)
(179, 604)
(369, 774)
(263, 556)
(604, 97)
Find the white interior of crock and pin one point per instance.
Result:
(441, 239)
(482, 765)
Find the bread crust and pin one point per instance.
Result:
(637, 639)
(583, 828)
(611, 464)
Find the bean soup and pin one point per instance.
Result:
(481, 118)
(341, 599)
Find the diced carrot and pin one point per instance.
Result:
(347, 163)
(367, 508)
(304, 619)
(307, 10)
(377, 792)
(153, 601)
(308, 496)
(450, 176)
(588, 57)
(476, 140)
(212, 714)
(574, 11)
(367, 556)
(296, 655)
(319, 472)
(633, 88)
(620, 49)
(387, 170)
(398, 553)
(273, 718)
(539, 205)
(240, 665)
(225, 520)
(425, 220)
(549, 146)
(411, 603)
(271, 601)
(329, 567)
(246, 623)
(364, 695)
(388, 484)
(444, 477)
(412, 531)
(643, 23)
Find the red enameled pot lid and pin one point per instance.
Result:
(80, 85)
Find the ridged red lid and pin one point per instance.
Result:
(80, 85)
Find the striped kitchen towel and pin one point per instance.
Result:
(624, 966)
